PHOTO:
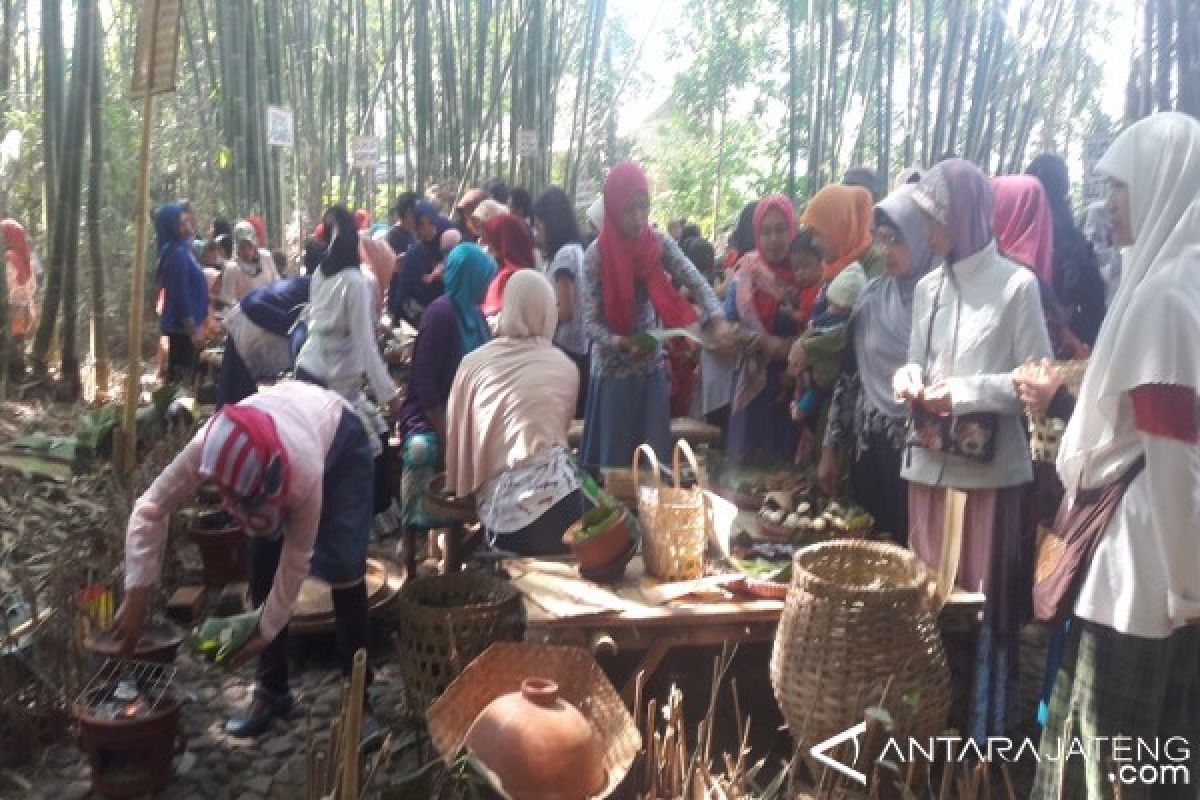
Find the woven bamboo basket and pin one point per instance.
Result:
(674, 520)
(445, 622)
(857, 615)
(580, 680)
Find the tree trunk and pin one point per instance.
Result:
(928, 64)
(8, 24)
(792, 79)
(960, 91)
(1165, 28)
(65, 252)
(94, 205)
(53, 70)
(1187, 63)
(1147, 98)
(953, 41)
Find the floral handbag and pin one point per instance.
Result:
(969, 436)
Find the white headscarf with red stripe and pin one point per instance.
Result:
(241, 447)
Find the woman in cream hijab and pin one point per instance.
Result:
(510, 407)
(1132, 662)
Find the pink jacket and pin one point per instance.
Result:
(306, 418)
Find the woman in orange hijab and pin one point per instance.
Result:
(841, 216)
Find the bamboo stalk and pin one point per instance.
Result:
(352, 732)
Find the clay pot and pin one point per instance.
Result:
(222, 544)
(134, 757)
(158, 644)
(538, 745)
(447, 506)
(604, 547)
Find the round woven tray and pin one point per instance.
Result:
(314, 607)
(580, 680)
(445, 621)
(858, 615)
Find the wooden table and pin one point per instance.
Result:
(698, 434)
(563, 608)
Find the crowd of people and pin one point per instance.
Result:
(895, 346)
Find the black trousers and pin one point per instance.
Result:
(878, 487)
(543, 536)
(181, 357)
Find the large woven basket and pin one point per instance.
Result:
(445, 622)
(674, 520)
(857, 615)
(580, 681)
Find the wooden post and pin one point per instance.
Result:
(154, 73)
(133, 381)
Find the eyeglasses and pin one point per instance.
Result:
(888, 238)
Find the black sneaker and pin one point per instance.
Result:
(264, 707)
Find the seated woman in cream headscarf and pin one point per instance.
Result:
(507, 419)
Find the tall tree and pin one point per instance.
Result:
(95, 203)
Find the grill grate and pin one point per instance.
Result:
(123, 689)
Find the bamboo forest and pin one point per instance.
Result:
(345, 345)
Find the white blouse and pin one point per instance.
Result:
(997, 308)
(341, 347)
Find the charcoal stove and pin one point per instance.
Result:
(128, 727)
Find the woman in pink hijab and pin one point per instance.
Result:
(1024, 226)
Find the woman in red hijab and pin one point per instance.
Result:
(22, 284)
(768, 300)
(508, 240)
(630, 275)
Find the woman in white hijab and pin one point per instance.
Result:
(510, 407)
(1132, 662)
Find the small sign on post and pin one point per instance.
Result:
(281, 127)
(364, 152)
(527, 143)
(156, 49)
(585, 193)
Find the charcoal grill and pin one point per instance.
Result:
(128, 727)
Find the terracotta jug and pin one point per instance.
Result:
(538, 745)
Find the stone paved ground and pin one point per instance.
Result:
(215, 766)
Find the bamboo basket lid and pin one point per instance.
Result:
(501, 670)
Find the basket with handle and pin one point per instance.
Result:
(674, 519)
(859, 617)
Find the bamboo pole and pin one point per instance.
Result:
(137, 290)
(352, 727)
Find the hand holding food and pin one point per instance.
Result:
(219, 638)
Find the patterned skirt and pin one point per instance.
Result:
(1113, 685)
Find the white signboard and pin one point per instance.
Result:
(281, 127)
(527, 143)
(364, 152)
(1095, 186)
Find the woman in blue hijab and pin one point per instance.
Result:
(451, 327)
(415, 284)
(185, 291)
